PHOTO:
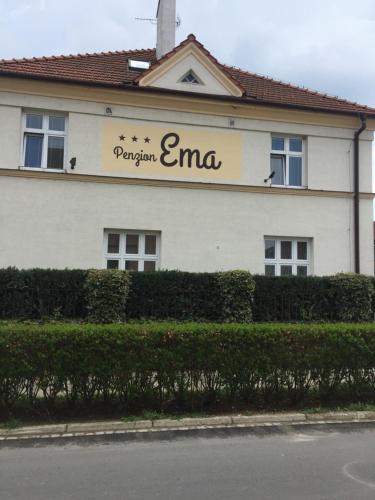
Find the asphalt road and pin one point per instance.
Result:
(291, 465)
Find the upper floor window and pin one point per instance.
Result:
(287, 161)
(132, 250)
(44, 136)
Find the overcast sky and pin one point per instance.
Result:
(327, 45)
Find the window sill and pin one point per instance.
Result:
(32, 169)
(288, 187)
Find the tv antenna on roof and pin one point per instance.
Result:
(153, 20)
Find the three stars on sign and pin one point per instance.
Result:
(122, 137)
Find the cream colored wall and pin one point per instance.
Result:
(60, 224)
(10, 136)
(329, 150)
(171, 79)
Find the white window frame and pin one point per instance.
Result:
(294, 262)
(122, 256)
(46, 132)
(286, 153)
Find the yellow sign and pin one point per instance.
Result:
(155, 151)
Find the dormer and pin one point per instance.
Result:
(190, 68)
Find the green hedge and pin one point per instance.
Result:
(225, 296)
(39, 293)
(189, 365)
(342, 297)
(107, 296)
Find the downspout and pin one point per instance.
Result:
(357, 266)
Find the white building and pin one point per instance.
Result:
(161, 159)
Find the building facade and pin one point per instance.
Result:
(126, 160)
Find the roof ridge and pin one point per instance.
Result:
(298, 87)
(73, 56)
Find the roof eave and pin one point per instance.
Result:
(223, 98)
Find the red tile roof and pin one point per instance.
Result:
(112, 69)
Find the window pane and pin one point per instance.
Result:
(132, 244)
(277, 144)
(270, 249)
(33, 150)
(131, 265)
(112, 264)
(269, 270)
(149, 265)
(286, 249)
(278, 166)
(113, 243)
(295, 145)
(286, 270)
(55, 157)
(295, 171)
(57, 123)
(302, 250)
(150, 244)
(301, 270)
(34, 121)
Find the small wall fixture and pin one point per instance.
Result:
(108, 111)
(270, 177)
(73, 162)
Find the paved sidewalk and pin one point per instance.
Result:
(183, 424)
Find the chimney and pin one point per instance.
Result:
(166, 27)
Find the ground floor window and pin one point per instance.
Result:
(132, 250)
(286, 256)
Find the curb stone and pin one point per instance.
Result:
(146, 426)
(333, 416)
(109, 426)
(192, 422)
(269, 418)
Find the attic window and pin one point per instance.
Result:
(191, 77)
(138, 65)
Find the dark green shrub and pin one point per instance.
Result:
(186, 365)
(292, 298)
(343, 297)
(236, 290)
(352, 296)
(225, 296)
(221, 297)
(106, 293)
(173, 295)
(39, 293)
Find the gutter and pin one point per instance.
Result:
(357, 266)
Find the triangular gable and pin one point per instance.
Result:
(191, 57)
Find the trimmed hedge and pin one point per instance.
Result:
(39, 293)
(189, 365)
(342, 297)
(352, 296)
(292, 298)
(223, 297)
(107, 294)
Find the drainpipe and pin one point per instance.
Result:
(357, 266)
